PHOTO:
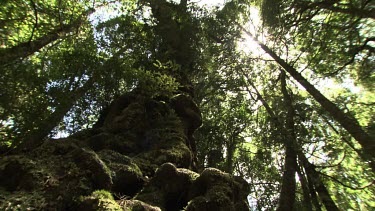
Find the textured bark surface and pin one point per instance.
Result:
(138, 157)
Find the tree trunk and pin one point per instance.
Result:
(319, 186)
(141, 151)
(314, 197)
(313, 177)
(288, 187)
(305, 190)
(229, 159)
(350, 144)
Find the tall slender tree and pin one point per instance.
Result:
(288, 187)
(346, 120)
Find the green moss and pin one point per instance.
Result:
(148, 169)
(220, 194)
(20, 173)
(102, 194)
(191, 174)
(100, 173)
(153, 196)
(135, 205)
(99, 200)
(110, 156)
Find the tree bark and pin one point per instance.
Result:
(350, 144)
(229, 159)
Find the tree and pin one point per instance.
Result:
(134, 104)
(42, 33)
(288, 34)
(345, 119)
(288, 188)
(142, 146)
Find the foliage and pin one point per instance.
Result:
(63, 63)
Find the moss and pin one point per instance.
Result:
(55, 147)
(99, 200)
(147, 167)
(102, 194)
(188, 110)
(85, 134)
(126, 175)
(216, 190)
(175, 152)
(135, 205)
(149, 135)
(130, 117)
(21, 200)
(110, 156)
(191, 174)
(152, 196)
(168, 188)
(48, 176)
(19, 173)
(100, 173)
(100, 141)
(125, 143)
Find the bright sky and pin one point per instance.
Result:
(248, 45)
(209, 2)
(106, 13)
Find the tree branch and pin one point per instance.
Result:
(354, 54)
(36, 20)
(347, 186)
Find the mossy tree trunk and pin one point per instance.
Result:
(139, 155)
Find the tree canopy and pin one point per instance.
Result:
(285, 88)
